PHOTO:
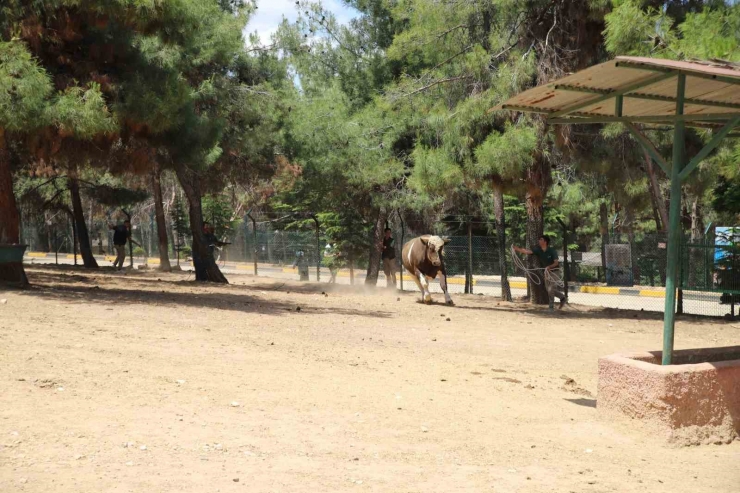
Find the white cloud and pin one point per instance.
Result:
(271, 12)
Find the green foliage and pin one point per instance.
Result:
(24, 88)
(116, 197)
(727, 197)
(506, 154)
(218, 211)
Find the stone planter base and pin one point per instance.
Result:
(694, 401)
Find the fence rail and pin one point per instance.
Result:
(628, 272)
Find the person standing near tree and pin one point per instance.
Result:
(389, 259)
(549, 262)
(121, 234)
(331, 260)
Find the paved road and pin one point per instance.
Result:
(694, 302)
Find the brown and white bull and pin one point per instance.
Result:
(422, 257)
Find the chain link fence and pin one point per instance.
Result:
(626, 272)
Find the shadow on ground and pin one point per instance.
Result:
(583, 402)
(579, 312)
(96, 287)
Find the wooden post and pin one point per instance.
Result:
(403, 232)
(470, 256)
(254, 239)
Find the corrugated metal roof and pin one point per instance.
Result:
(648, 87)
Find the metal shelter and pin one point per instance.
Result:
(650, 91)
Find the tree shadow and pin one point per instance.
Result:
(77, 288)
(583, 402)
(581, 312)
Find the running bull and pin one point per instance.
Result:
(422, 257)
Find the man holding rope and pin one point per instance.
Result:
(549, 262)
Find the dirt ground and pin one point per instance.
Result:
(149, 383)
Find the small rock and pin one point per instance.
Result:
(60, 389)
(143, 447)
(424, 429)
(235, 404)
(129, 463)
(398, 299)
(180, 382)
(359, 481)
(3, 301)
(298, 309)
(588, 451)
(79, 457)
(512, 470)
(434, 340)
(236, 480)
(272, 344)
(218, 446)
(447, 319)
(23, 481)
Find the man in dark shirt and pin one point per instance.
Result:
(212, 241)
(548, 258)
(121, 234)
(389, 259)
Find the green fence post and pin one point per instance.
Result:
(679, 149)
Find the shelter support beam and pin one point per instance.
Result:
(617, 92)
(711, 145)
(674, 233)
(577, 118)
(649, 97)
(654, 68)
(649, 147)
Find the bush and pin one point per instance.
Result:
(139, 252)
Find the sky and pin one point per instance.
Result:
(271, 12)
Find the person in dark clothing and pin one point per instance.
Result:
(389, 259)
(548, 258)
(121, 234)
(211, 242)
(302, 263)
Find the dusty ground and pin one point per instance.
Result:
(147, 383)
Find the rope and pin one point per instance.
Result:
(552, 276)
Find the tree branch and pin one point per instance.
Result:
(437, 82)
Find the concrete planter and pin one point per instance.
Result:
(694, 401)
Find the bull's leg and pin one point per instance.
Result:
(425, 283)
(443, 285)
(416, 276)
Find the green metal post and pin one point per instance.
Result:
(679, 149)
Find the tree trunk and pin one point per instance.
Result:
(498, 209)
(696, 261)
(79, 217)
(164, 257)
(656, 194)
(535, 227)
(629, 227)
(604, 231)
(206, 269)
(9, 218)
(376, 249)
